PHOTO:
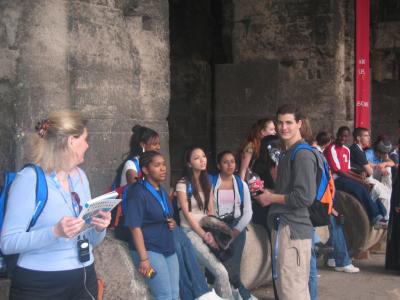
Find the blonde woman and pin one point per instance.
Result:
(49, 266)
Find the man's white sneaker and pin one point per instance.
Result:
(253, 298)
(331, 262)
(348, 269)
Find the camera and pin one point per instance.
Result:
(83, 250)
(227, 218)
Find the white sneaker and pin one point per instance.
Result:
(236, 294)
(348, 269)
(210, 296)
(253, 298)
(331, 262)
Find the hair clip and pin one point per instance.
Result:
(42, 127)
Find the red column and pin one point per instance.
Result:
(362, 75)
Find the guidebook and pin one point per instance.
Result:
(91, 208)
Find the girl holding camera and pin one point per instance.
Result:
(233, 206)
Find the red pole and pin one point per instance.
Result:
(362, 74)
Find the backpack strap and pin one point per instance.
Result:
(135, 160)
(8, 179)
(213, 178)
(41, 194)
(299, 147)
(324, 175)
(123, 201)
(239, 183)
(189, 193)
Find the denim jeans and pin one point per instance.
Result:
(165, 285)
(375, 210)
(208, 260)
(313, 280)
(338, 242)
(232, 264)
(192, 283)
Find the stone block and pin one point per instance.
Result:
(241, 100)
(114, 265)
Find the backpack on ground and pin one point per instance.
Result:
(40, 202)
(321, 208)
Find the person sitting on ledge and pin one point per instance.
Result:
(338, 156)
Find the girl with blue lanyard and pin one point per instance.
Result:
(49, 265)
(149, 218)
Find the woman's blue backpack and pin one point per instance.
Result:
(41, 199)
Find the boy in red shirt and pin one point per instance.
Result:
(338, 156)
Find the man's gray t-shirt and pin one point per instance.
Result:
(297, 180)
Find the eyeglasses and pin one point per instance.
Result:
(77, 201)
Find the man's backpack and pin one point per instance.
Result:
(323, 203)
(40, 202)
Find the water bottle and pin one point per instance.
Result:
(254, 182)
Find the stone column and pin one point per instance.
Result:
(42, 73)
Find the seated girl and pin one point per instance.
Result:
(200, 204)
(233, 204)
(148, 217)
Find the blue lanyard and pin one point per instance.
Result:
(159, 195)
(75, 205)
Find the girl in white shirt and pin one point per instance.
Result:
(200, 204)
(143, 139)
(233, 204)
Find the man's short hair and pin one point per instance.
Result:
(323, 138)
(290, 109)
(342, 129)
(359, 131)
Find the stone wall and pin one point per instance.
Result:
(385, 98)
(311, 40)
(108, 59)
(199, 40)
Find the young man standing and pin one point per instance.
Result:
(288, 217)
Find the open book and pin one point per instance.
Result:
(91, 208)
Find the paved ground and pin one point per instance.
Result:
(372, 283)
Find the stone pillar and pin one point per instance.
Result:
(39, 36)
(119, 70)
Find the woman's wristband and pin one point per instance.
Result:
(143, 260)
